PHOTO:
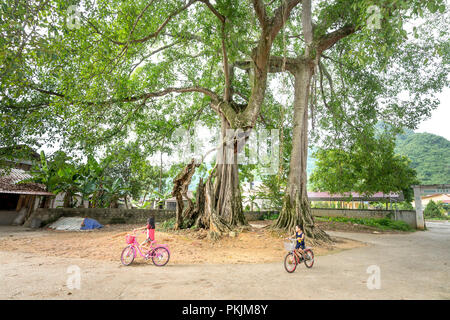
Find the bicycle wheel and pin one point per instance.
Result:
(309, 261)
(128, 255)
(160, 256)
(290, 262)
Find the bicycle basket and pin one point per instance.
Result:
(130, 238)
(289, 246)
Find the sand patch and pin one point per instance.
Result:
(257, 245)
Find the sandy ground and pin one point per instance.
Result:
(257, 245)
(412, 266)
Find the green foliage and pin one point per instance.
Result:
(433, 210)
(168, 224)
(159, 197)
(404, 206)
(104, 182)
(383, 223)
(369, 166)
(429, 156)
(272, 190)
(270, 216)
(323, 204)
(253, 204)
(87, 88)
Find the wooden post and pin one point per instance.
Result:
(20, 202)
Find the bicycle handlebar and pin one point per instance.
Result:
(134, 231)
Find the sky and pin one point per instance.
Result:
(439, 122)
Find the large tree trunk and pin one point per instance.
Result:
(296, 207)
(180, 189)
(226, 194)
(218, 205)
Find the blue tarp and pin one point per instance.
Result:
(90, 224)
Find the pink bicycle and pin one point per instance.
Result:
(159, 253)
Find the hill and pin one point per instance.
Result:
(429, 154)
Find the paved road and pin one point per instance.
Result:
(412, 266)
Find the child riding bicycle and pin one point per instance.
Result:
(300, 236)
(150, 231)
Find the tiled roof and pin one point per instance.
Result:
(9, 183)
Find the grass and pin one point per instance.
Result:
(438, 219)
(168, 224)
(382, 223)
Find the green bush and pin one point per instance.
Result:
(404, 206)
(168, 224)
(270, 216)
(432, 210)
(380, 223)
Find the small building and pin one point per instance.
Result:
(171, 203)
(442, 197)
(354, 200)
(18, 200)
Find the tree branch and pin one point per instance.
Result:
(276, 64)
(307, 22)
(227, 95)
(151, 35)
(281, 15)
(260, 11)
(328, 40)
(214, 97)
(167, 91)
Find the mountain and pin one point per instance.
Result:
(429, 154)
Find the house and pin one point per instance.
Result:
(18, 200)
(171, 203)
(443, 197)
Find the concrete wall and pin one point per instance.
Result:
(140, 216)
(7, 217)
(111, 216)
(407, 216)
(104, 216)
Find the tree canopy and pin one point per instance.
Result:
(365, 168)
(89, 74)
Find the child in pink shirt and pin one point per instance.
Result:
(150, 231)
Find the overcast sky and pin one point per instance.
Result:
(439, 122)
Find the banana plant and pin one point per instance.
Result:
(116, 190)
(159, 197)
(252, 200)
